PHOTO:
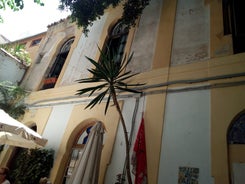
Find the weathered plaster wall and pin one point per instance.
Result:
(145, 38)
(55, 38)
(87, 46)
(40, 68)
(10, 68)
(191, 33)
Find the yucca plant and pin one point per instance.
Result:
(110, 79)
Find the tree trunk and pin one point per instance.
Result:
(125, 136)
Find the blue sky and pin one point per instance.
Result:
(33, 19)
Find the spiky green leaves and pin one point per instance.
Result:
(110, 77)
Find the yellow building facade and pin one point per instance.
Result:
(193, 96)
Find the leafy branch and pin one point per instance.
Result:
(19, 52)
(15, 5)
(85, 12)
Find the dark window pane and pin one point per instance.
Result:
(236, 134)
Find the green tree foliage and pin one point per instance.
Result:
(110, 78)
(19, 52)
(85, 12)
(15, 5)
(12, 99)
(31, 165)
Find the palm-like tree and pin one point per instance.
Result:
(111, 78)
(12, 99)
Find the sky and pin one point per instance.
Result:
(31, 20)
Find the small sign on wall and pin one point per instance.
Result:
(188, 175)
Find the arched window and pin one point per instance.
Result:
(236, 133)
(236, 151)
(76, 151)
(55, 70)
(116, 41)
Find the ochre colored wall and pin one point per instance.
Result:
(220, 44)
(38, 117)
(165, 35)
(76, 122)
(153, 131)
(226, 104)
(236, 153)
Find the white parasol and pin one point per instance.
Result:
(15, 133)
(87, 170)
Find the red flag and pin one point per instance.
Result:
(139, 156)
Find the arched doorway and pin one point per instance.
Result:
(236, 149)
(79, 149)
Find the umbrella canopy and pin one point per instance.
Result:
(87, 170)
(15, 133)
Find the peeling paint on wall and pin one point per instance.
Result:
(191, 34)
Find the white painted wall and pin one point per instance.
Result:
(56, 126)
(87, 46)
(119, 155)
(10, 68)
(186, 136)
(238, 173)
